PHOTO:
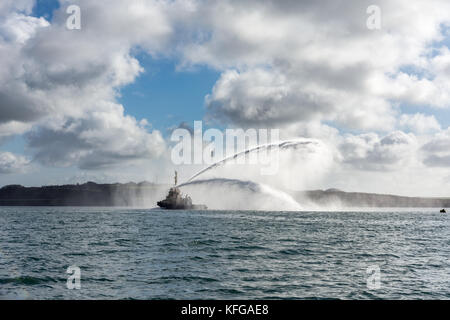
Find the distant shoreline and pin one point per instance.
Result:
(89, 194)
(370, 200)
(143, 194)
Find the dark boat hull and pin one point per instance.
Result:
(179, 206)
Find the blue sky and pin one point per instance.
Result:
(45, 8)
(165, 96)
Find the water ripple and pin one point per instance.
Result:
(142, 254)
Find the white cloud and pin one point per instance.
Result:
(65, 83)
(419, 123)
(19, 28)
(371, 152)
(260, 98)
(8, 6)
(97, 140)
(11, 163)
(321, 60)
(11, 129)
(436, 152)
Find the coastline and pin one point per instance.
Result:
(143, 194)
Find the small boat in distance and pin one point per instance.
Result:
(443, 211)
(175, 200)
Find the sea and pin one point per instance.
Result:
(122, 253)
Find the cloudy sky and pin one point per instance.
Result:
(99, 103)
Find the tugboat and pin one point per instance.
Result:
(175, 200)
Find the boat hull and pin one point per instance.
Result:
(180, 206)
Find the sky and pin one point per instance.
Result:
(100, 103)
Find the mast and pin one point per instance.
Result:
(176, 178)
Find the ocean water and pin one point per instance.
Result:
(153, 254)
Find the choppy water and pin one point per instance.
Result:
(142, 254)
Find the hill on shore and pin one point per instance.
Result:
(146, 194)
(335, 197)
(87, 194)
